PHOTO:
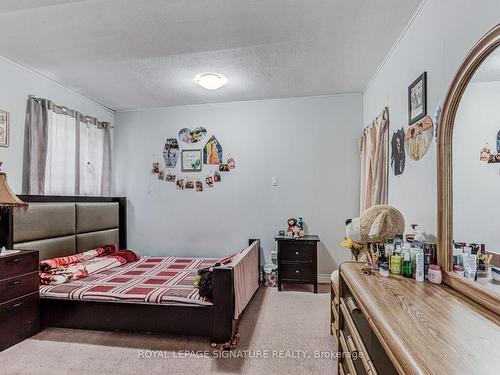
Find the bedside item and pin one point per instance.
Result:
(297, 261)
(4, 252)
(293, 228)
(434, 274)
(19, 297)
(281, 233)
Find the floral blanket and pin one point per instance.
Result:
(64, 269)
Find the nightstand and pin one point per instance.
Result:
(298, 261)
(19, 297)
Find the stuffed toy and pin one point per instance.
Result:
(376, 224)
(293, 228)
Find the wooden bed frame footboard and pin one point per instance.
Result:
(216, 321)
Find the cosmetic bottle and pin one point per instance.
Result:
(419, 265)
(419, 239)
(406, 265)
(435, 275)
(469, 265)
(396, 264)
(384, 269)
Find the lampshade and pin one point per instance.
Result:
(8, 199)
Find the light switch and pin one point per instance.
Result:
(274, 181)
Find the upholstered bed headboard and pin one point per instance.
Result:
(58, 226)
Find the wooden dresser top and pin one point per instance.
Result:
(427, 328)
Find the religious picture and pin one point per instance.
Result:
(212, 152)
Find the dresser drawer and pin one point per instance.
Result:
(18, 286)
(19, 319)
(297, 251)
(297, 272)
(18, 264)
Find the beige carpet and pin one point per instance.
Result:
(292, 324)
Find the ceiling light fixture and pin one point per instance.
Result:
(211, 81)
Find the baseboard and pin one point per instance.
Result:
(324, 278)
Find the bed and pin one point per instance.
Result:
(154, 294)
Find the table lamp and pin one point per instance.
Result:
(8, 202)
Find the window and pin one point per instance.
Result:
(69, 154)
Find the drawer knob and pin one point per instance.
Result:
(13, 307)
(296, 253)
(14, 283)
(297, 271)
(353, 306)
(350, 345)
(15, 260)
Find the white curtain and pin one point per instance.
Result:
(68, 153)
(60, 167)
(374, 152)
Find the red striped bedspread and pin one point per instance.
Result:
(154, 280)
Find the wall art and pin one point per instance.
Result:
(209, 181)
(170, 177)
(171, 152)
(217, 177)
(418, 138)
(485, 153)
(189, 184)
(199, 186)
(498, 142)
(180, 184)
(398, 154)
(191, 161)
(156, 167)
(212, 152)
(4, 128)
(417, 99)
(231, 163)
(192, 136)
(223, 167)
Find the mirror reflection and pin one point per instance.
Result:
(476, 178)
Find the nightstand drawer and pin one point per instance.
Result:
(18, 264)
(297, 252)
(19, 319)
(297, 272)
(18, 286)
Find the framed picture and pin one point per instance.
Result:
(4, 128)
(417, 99)
(191, 160)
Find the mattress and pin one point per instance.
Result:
(152, 280)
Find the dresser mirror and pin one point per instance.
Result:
(469, 176)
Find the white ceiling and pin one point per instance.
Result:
(130, 54)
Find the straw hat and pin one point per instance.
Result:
(376, 224)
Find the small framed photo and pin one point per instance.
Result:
(191, 160)
(4, 128)
(417, 99)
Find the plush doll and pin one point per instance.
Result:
(376, 224)
(293, 228)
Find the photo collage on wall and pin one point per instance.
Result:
(192, 162)
(415, 140)
(487, 156)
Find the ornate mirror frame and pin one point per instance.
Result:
(462, 77)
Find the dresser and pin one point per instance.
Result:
(298, 261)
(395, 325)
(19, 297)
